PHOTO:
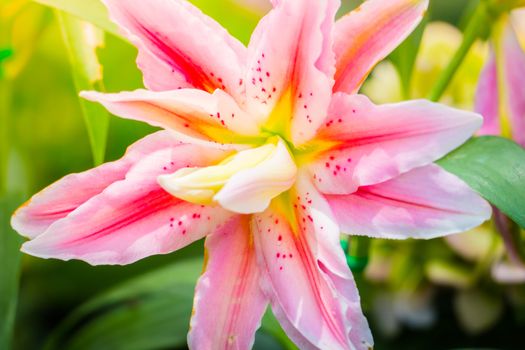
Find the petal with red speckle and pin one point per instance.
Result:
(229, 303)
(290, 71)
(179, 46)
(132, 218)
(372, 144)
(61, 198)
(192, 114)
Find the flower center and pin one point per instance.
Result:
(245, 182)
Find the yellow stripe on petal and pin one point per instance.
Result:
(279, 121)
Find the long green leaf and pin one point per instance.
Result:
(12, 191)
(404, 57)
(495, 168)
(82, 40)
(10, 259)
(92, 11)
(149, 312)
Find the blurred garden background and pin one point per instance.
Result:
(438, 294)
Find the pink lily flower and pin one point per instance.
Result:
(268, 153)
(501, 90)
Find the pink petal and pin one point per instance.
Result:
(368, 34)
(311, 289)
(58, 200)
(291, 64)
(229, 303)
(508, 273)
(319, 222)
(179, 46)
(487, 99)
(514, 73)
(133, 218)
(192, 114)
(377, 143)
(426, 202)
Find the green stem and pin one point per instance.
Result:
(357, 249)
(5, 100)
(476, 25)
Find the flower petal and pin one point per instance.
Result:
(486, 102)
(508, 273)
(373, 144)
(426, 202)
(514, 66)
(229, 303)
(290, 71)
(179, 46)
(58, 200)
(251, 190)
(190, 113)
(132, 218)
(318, 221)
(311, 289)
(368, 34)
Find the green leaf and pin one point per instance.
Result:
(92, 11)
(10, 257)
(495, 168)
(148, 312)
(271, 326)
(159, 301)
(239, 20)
(12, 192)
(404, 57)
(82, 41)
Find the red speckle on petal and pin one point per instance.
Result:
(280, 238)
(278, 255)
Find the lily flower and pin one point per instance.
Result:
(268, 153)
(501, 91)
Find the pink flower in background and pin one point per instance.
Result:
(501, 91)
(268, 153)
